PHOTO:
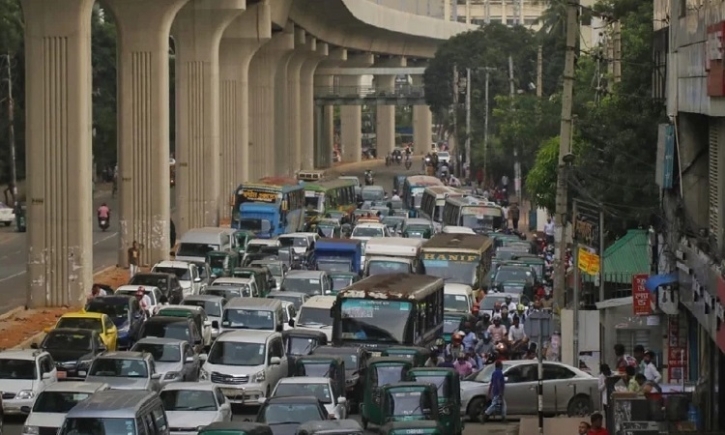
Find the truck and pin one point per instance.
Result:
(384, 255)
(338, 255)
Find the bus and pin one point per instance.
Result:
(413, 189)
(434, 198)
(459, 258)
(330, 195)
(477, 214)
(389, 310)
(269, 207)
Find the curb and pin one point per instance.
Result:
(12, 312)
(25, 344)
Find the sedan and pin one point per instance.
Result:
(72, 350)
(190, 406)
(566, 389)
(314, 386)
(174, 359)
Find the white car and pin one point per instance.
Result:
(186, 272)
(154, 293)
(7, 214)
(51, 406)
(314, 315)
(190, 406)
(367, 230)
(444, 156)
(314, 386)
(24, 374)
(454, 229)
(299, 242)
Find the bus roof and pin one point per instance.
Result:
(319, 186)
(423, 180)
(392, 286)
(270, 186)
(278, 181)
(453, 241)
(444, 190)
(474, 202)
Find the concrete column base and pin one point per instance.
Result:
(422, 128)
(60, 218)
(143, 120)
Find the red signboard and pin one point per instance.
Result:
(714, 60)
(641, 298)
(676, 364)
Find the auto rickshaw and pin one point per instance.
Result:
(326, 366)
(418, 355)
(330, 228)
(416, 427)
(414, 232)
(406, 401)
(235, 428)
(330, 427)
(452, 322)
(448, 385)
(340, 280)
(300, 342)
(381, 371)
(222, 262)
(242, 238)
(20, 217)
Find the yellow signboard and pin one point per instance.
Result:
(441, 256)
(588, 262)
(258, 196)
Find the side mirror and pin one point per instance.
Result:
(189, 359)
(506, 378)
(275, 361)
(291, 323)
(215, 324)
(46, 375)
(342, 400)
(156, 376)
(203, 356)
(207, 323)
(197, 279)
(34, 346)
(25, 409)
(261, 401)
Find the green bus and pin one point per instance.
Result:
(330, 195)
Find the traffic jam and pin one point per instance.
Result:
(329, 305)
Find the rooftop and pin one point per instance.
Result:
(457, 241)
(246, 336)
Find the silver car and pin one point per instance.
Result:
(566, 389)
(213, 305)
(125, 371)
(174, 359)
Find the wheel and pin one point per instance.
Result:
(476, 408)
(579, 406)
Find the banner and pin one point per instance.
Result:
(641, 298)
(588, 262)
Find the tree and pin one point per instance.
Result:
(104, 89)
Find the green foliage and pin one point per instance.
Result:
(104, 85)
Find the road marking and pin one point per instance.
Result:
(15, 275)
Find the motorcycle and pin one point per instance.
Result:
(408, 164)
(398, 159)
(103, 223)
(369, 181)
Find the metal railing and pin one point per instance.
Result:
(368, 92)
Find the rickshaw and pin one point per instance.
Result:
(326, 366)
(409, 401)
(448, 385)
(418, 355)
(416, 427)
(222, 262)
(242, 238)
(300, 342)
(381, 371)
(235, 428)
(330, 427)
(452, 322)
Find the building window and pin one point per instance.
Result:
(478, 22)
(462, 19)
(510, 21)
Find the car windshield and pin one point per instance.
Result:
(455, 302)
(227, 293)
(451, 324)
(373, 194)
(150, 280)
(367, 232)
(188, 400)
(340, 282)
(297, 242)
(177, 330)
(389, 374)
(382, 267)
(80, 323)
(237, 318)
(291, 413)
(233, 353)
(118, 368)
(160, 352)
(115, 309)
(321, 391)
(406, 402)
(67, 341)
(375, 319)
(274, 268)
(218, 261)
(310, 286)
(314, 317)
(249, 224)
(59, 402)
(334, 265)
(351, 359)
(212, 308)
(98, 426)
(300, 345)
(519, 274)
(489, 301)
(181, 273)
(17, 369)
(195, 250)
(459, 272)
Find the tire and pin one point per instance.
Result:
(579, 406)
(475, 408)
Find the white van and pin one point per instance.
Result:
(261, 314)
(314, 315)
(393, 255)
(453, 229)
(196, 243)
(457, 297)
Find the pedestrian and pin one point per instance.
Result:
(549, 231)
(584, 428)
(604, 373)
(597, 421)
(504, 182)
(638, 354)
(514, 214)
(622, 359)
(96, 291)
(496, 390)
(172, 233)
(650, 369)
(133, 258)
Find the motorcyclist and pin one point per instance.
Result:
(510, 304)
(517, 336)
(395, 196)
(456, 348)
(497, 330)
(485, 346)
(143, 300)
(103, 213)
(369, 177)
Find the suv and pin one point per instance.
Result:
(246, 364)
(23, 375)
(125, 371)
(182, 328)
(186, 272)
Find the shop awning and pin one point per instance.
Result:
(655, 281)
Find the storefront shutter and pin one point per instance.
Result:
(713, 178)
(632, 337)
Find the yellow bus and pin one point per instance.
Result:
(459, 258)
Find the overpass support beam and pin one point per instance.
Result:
(197, 31)
(143, 125)
(240, 41)
(325, 127)
(305, 48)
(308, 110)
(282, 101)
(58, 137)
(385, 120)
(422, 123)
(351, 116)
(266, 141)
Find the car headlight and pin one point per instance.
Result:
(25, 395)
(259, 377)
(203, 375)
(171, 375)
(31, 430)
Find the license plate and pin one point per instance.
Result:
(61, 375)
(231, 392)
(376, 354)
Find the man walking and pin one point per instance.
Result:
(496, 393)
(133, 258)
(514, 214)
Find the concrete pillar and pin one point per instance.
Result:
(325, 139)
(351, 116)
(240, 41)
(307, 102)
(422, 123)
(305, 47)
(282, 116)
(385, 121)
(58, 148)
(197, 31)
(143, 125)
(265, 140)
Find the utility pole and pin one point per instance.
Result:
(517, 164)
(485, 129)
(455, 116)
(540, 72)
(11, 129)
(575, 253)
(512, 90)
(617, 73)
(468, 124)
(565, 149)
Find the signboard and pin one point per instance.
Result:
(253, 195)
(676, 364)
(641, 297)
(481, 212)
(588, 262)
(444, 256)
(714, 60)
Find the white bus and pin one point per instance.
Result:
(474, 213)
(434, 198)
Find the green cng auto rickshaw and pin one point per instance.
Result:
(417, 232)
(236, 428)
(448, 385)
(416, 427)
(381, 371)
(418, 355)
(330, 427)
(301, 342)
(407, 401)
(326, 366)
(222, 263)
(242, 238)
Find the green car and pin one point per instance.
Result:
(222, 263)
(381, 371)
(242, 237)
(236, 428)
(418, 232)
(448, 384)
(418, 355)
(418, 427)
(409, 401)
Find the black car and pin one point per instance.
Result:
(72, 350)
(125, 312)
(173, 327)
(356, 362)
(168, 284)
(284, 414)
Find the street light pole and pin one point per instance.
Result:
(467, 166)
(11, 129)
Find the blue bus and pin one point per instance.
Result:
(269, 207)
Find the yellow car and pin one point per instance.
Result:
(95, 321)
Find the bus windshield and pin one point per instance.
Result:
(374, 320)
(453, 271)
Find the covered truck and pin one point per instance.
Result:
(338, 255)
